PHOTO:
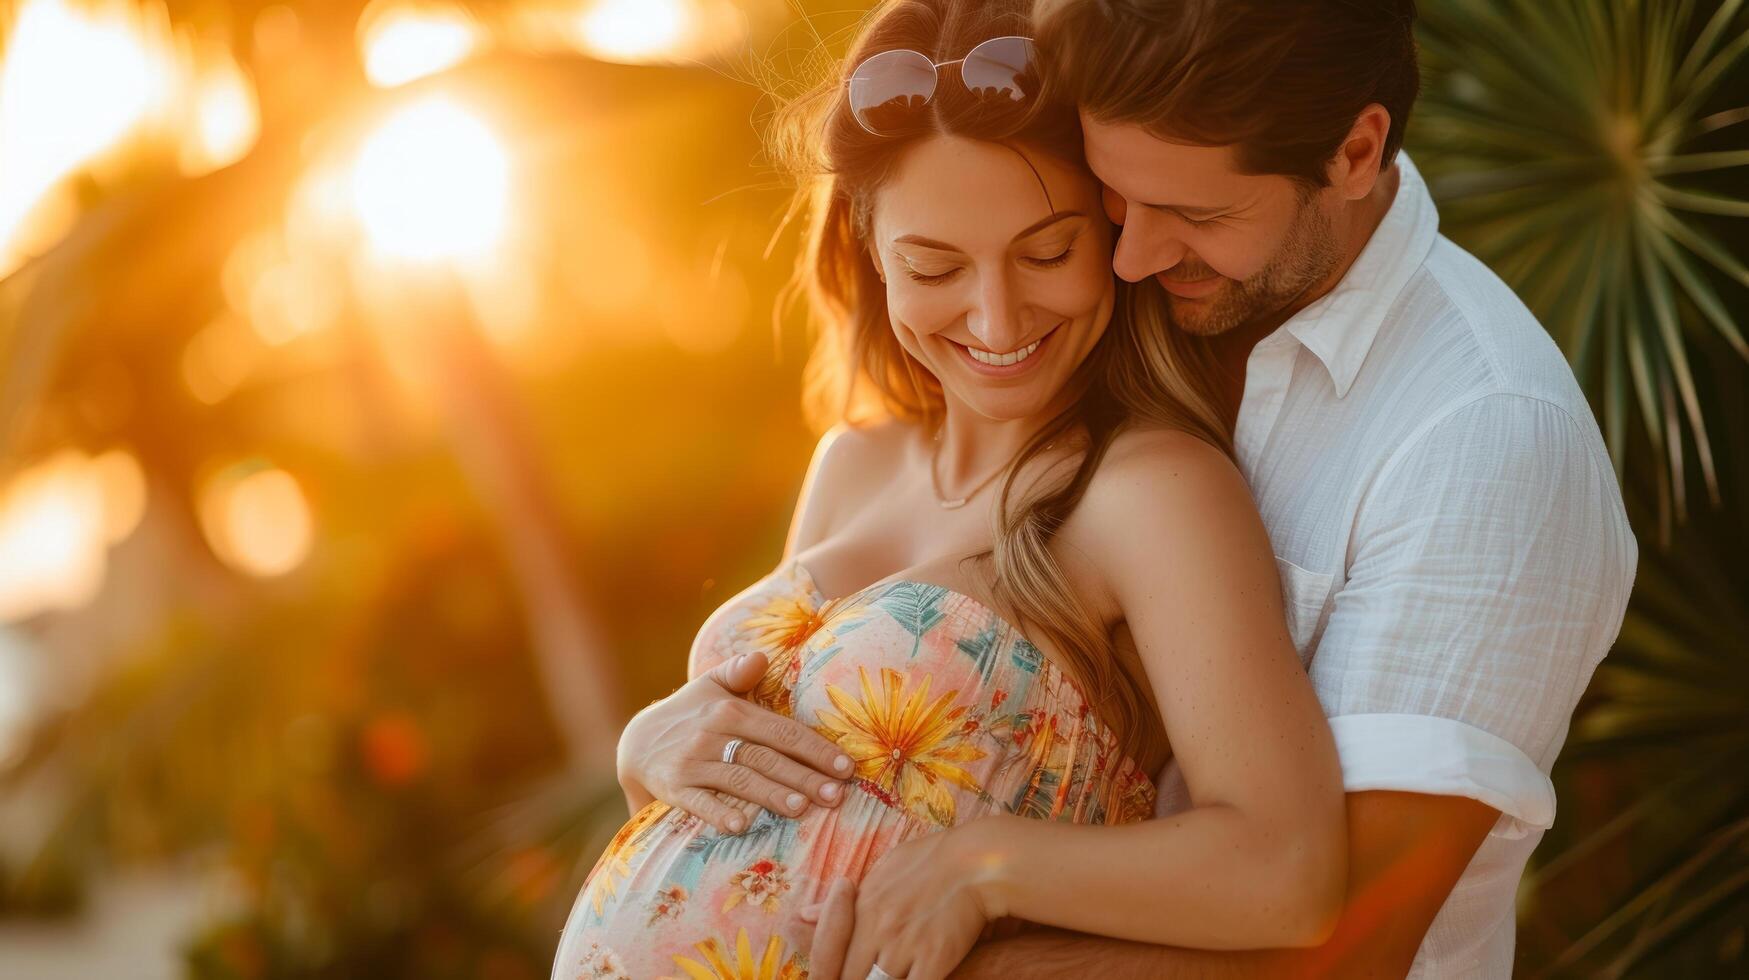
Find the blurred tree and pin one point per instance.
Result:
(357, 736)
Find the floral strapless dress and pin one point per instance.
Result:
(949, 713)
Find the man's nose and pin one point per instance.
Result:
(995, 315)
(1143, 249)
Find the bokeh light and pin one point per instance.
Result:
(57, 522)
(635, 30)
(218, 359)
(122, 485)
(403, 41)
(227, 119)
(433, 182)
(257, 520)
(108, 67)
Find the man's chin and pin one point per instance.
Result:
(1197, 317)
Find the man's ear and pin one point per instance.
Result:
(1355, 168)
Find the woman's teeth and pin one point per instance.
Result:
(1003, 360)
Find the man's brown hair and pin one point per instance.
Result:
(1281, 80)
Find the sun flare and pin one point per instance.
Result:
(433, 183)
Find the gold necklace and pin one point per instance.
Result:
(935, 479)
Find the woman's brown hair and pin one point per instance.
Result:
(1140, 373)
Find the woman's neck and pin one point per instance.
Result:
(972, 446)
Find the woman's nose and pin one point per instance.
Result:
(994, 317)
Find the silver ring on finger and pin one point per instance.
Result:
(733, 746)
(876, 973)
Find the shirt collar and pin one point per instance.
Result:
(1340, 326)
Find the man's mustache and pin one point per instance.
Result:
(1179, 273)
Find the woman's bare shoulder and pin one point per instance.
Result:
(1161, 460)
(864, 455)
(1163, 501)
(849, 463)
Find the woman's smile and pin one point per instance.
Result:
(1009, 365)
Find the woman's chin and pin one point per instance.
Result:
(1005, 406)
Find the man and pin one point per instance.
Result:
(1452, 543)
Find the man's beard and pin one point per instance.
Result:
(1306, 256)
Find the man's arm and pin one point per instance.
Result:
(1490, 572)
(1406, 851)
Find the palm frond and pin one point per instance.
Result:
(1582, 150)
(1667, 723)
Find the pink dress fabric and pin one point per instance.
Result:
(949, 713)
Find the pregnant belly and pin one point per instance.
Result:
(671, 896)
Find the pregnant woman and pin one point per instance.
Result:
(1023, 573)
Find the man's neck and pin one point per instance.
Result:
(1233, 348)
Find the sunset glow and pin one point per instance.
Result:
(108, 67)
(433, 182)
(401, 42)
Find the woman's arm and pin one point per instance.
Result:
(1260, 857)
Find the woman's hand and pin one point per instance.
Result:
(917, 913)
(673, 751)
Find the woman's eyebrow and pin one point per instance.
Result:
(925, 242)
(1034, 229)
(1046, 222)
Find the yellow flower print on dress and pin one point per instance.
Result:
(772, 965)
(907, 746)
(779, 628)
(615, 862)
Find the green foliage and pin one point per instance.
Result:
(1592, 154)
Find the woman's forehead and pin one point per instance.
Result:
(974, 193)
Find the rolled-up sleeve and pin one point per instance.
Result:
(1488, 574)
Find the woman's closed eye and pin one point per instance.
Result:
(1052, 261)
(929, 278)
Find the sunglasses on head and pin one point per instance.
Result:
(887, 89)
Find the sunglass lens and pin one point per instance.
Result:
(889, 87)
(1002, 66)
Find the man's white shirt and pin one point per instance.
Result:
(1453, 550)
